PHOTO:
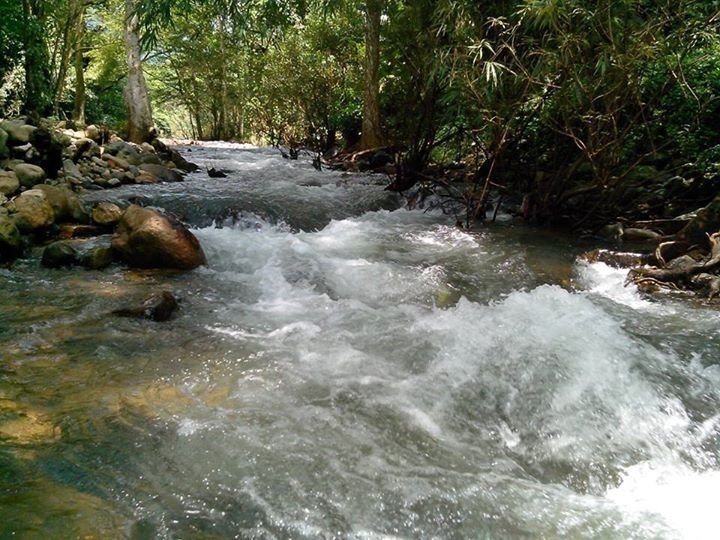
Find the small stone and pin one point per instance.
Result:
(158, 307)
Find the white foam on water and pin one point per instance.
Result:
(684, 498)
(532, 412)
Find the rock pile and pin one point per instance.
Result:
(44, 166)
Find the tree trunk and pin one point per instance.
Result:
(79, 112)
(68, 45)
(371, 133)
(137, 98)
(37, 60)
(223, 131)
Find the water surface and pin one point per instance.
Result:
(343, 368)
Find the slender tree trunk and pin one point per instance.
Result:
(137, 98)
(371, 132)
(223, 131)
(37, 60)
(80, 96)
(68, 44)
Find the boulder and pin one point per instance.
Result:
(86, 148)
(18, 132)
(59, 254)
(106, 214)
(168, 154)
(10, 242)
(161, 173)
(158, 307)
(32, 211)
(117, 162)
(116, 146)
(146, 239)
(71, 169)
(29, 175)
(150, 159)
(93, 132)
(65, 203)
(123, 150)
(9, 183)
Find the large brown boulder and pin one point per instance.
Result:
(146, 239)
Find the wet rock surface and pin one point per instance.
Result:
(160, 306)
(145, 238)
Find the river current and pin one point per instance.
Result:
(344, 368)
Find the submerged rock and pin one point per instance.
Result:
(59, 254)
(97, 258)
(158, 307)
(146, 239)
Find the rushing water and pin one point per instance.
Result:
(344, 369)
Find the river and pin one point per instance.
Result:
(343, 368)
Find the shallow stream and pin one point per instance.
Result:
(343, 368)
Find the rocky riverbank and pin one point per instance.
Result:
(43, 168)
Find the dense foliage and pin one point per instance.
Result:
(583, 109)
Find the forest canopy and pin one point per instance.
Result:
(582, 106)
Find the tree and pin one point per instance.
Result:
(137, 98)
(371, 129)
(38, 92)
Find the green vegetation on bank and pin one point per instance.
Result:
(586, 111)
